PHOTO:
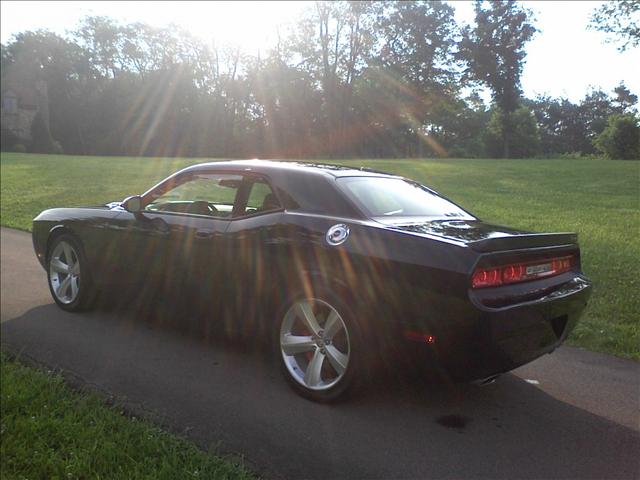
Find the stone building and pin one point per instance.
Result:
(22, 99)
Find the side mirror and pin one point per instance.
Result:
(133, 204)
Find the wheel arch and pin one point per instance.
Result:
(315, 277)
(55, 232)
(314, 282)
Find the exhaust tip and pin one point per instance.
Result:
(486, 381)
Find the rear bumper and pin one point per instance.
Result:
(496, 340)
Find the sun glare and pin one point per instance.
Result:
(251, 25)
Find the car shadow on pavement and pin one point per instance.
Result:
(232, 397)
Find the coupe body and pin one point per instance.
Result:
(345, 271)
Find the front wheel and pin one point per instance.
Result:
(318, 347)
(68, 274)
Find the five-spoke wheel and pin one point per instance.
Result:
(67, 273)
(64, 272)
(316, 347)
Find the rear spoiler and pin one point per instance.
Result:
(518, 242)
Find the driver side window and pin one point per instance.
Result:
(202, 194)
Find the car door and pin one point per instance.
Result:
(253, 243)
(179, 231)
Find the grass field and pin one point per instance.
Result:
(51, 431)
(599, 199)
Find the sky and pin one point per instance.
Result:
(564, 58)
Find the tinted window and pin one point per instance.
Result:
(393, 197)
(206, 194)
(261, 198)
(313, 193)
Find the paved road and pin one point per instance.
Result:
(571, 414)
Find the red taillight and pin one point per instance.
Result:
(520, 272)
(484, 277)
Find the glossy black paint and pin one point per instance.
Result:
(400, 275)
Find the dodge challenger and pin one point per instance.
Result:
(345, 271)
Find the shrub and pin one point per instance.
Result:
(621, 138)
(574, 155)
(19, 148)
(8, 139)
(57, 148)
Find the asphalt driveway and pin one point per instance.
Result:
(573, 414)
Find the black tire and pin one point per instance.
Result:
(83, 299)
(352, 378)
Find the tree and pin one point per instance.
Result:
(593, 112)
(41, 140)
(333, 43)
(621, 138)
(417, 69)
(621, 20)
(494, 52)
(418, 44)
(567, 127)
(524, 133)
(381, 79)
(624, 100)
(287, 109)
(461, 124)
(558, 125)
(5, 55)
(102, 39)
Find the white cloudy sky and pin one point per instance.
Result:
(564, 59)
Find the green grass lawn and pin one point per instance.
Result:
(48, 430)
(599, 199)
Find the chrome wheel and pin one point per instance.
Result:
(314, 342)
(64, 272)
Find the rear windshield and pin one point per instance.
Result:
(385, 197)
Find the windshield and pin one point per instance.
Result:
(383, 197)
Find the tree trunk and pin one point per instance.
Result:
(506, 134)
(505, 145)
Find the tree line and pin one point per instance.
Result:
(366, 79)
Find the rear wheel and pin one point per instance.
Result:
(68, 274)
(318, 348)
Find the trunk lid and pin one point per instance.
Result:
(480, 236)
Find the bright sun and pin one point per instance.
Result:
(251, 25)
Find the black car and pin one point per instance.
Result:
(346, 270)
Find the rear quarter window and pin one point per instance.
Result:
(313, 193)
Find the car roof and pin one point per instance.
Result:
(269, 166)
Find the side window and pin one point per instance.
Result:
(203, 194)
(261, 198)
